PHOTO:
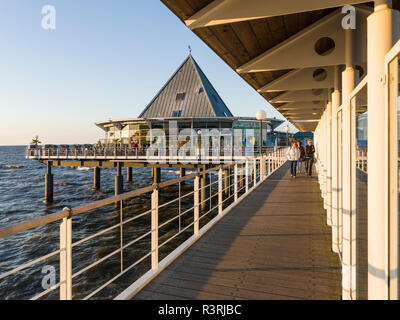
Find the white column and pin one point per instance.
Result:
(321, 155)
(329, 163)
(335, 159)
(325, 155)
(348, 258)
(383, 31)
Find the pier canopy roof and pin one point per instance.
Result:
(286, 50)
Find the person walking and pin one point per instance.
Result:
(293, 155)
(302, 156)
(309, 152)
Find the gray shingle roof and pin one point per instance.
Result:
(200, 99)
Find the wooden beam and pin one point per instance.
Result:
(229, 11)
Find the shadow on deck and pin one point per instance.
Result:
(274, 245)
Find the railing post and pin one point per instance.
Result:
(278, 159)
(273, 161)
(196, 205)
(262, 165)
(235, 179)
(255, 171)
(66, 259)
(220, 191)
(247, 175)
(154, 229)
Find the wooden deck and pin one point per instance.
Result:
(274, 245)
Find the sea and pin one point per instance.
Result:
(21, 199)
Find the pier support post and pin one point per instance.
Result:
(156, 175)
(205, 191)
(129, 173)
(182, 173)
(119, 181)
(48, 185)
(96, 178)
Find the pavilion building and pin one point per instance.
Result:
(188, 98)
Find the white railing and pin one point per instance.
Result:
(126, 153)
(223, 196)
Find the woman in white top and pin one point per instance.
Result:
(293, 155)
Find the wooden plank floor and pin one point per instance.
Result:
(274, 245)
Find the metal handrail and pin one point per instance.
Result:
(126, 152)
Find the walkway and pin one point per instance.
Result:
(274, 245)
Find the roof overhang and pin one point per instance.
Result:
(286, 50)
(123, 122)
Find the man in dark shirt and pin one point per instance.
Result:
(309, 151)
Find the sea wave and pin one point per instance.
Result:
(9, 166)
(83, 168)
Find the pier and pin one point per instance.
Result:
(333, 69)
(274, 245)
(210, 200)
(236, 226)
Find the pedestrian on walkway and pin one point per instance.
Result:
(309, 151)
(293, 155)
(302, 156)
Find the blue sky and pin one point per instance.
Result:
(106, 59)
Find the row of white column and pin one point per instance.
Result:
(336, 164)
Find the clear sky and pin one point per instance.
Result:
(106, 59)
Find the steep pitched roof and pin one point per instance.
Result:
(188, 93)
